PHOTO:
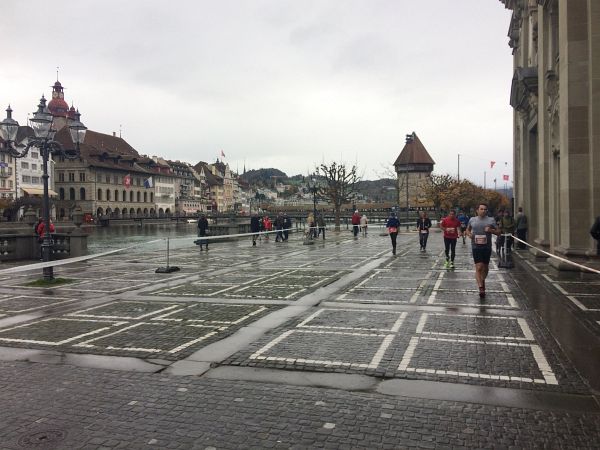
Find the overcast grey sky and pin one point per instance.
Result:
(274, 83)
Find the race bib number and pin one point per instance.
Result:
(424, 231)
(393, 230)
(480, 239)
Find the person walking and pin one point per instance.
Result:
(355, 223)
(464, 221)
(287, 226)
(450, 225)
(480, 230)
(321, 225)
(312, 226)
(423, 226)
(521, 228)
(202, 231)
(363, 225)
(595, 232)
(254, 228)
(392, 225)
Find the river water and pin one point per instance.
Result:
(102, 239)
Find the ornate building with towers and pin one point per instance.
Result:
(555, 94)
(413, 168)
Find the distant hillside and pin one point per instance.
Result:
(263, 176)
(383, 190)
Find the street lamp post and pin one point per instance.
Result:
(41, 123)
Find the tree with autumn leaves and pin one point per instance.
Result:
(446, 192)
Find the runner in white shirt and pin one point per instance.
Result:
(480, 230)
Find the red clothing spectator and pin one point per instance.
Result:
(41, 229)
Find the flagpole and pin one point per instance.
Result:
(458, 168)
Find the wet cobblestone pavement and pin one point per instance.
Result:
(267, 346)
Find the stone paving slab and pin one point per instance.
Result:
(473, 349)
(96, 409)
(142, 329)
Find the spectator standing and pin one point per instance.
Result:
(521, 226)
(355, 223)
(507, 226)
(321, 225)
(595, 232)
(279, 228)
(423, 226)
(480, 230)
(268, 226)
(363, 225)
(40, 231)
(287, 226)
(450, 225)
(202, 231)
(254, 228)
(392, 225)
(312, 226)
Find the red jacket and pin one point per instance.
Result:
(450, 225)
(355, 219)
(41, 229)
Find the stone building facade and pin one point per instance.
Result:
(413, 167)
(556, 99)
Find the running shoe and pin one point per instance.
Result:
(446, 264)
(451, 265)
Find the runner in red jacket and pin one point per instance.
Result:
(450, 225)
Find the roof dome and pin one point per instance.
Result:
(57, 106)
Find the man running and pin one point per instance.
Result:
(423, 225)
(480, 230)
(392, 225)
(464, 221)
(450, 226)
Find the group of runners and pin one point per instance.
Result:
(478, 229)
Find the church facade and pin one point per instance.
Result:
(555, 95)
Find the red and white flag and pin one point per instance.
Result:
(222, 154)
(505, 177)
(492, 163)
(127, 181)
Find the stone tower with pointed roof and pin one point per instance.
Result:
(413, 168)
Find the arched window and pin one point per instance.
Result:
(108, 195)
(139, 197)
(151, 197)
(131, 196)
(145, 197)
(61, 193)
(82, 194)
(99, 194)
(71, 193)
(116, 195)
(124, 196)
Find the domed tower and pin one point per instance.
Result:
(58, 106)
(413, 167)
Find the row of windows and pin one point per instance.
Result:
(25, 165)
(108, 195)
(3, 184)
(61, 176)
(31, 180)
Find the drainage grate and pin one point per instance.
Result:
(42, 439)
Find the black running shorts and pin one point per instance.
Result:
(482, 255)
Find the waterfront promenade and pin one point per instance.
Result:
(333, 345)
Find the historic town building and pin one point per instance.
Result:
(556, 99)
(413, 168)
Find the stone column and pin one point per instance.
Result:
(575, 160)
(594, 95)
